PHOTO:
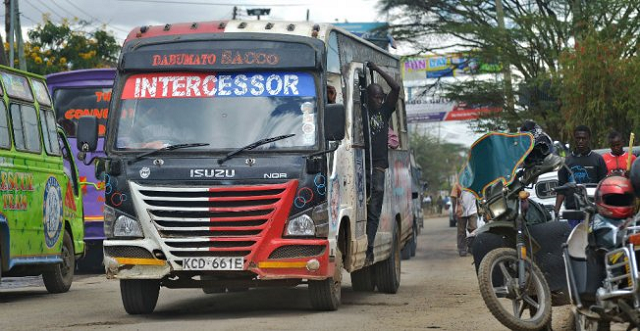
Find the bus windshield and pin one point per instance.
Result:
(225, 111)
(73, 103)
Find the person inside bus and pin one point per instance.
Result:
(154, 129)
(331, 94)
(379, 108)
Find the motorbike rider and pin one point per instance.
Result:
(584, 167)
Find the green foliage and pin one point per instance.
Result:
(440, 161)
(601, 87)
(537, 33)
(53, 48)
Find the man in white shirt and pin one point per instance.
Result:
(466, 217)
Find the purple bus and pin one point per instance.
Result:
(75, 94)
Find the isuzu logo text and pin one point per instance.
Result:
(212, 173)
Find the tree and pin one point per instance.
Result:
(440, 161)
(536, 34)
(601, 87)
(69, 46)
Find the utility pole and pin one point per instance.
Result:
(18, 30)
(307, 15)
(11, 32)
(235, 12)
(506, 70)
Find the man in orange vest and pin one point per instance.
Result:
(617, 159)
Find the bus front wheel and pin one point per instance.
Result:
(139, 296)
(326, 294)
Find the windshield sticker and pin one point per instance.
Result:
(226, 57)
(194, 85)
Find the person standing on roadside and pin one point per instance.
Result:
(465, 211)
(586, 167)
(379, 108)
(617, 159)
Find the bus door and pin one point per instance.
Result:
(362, 161)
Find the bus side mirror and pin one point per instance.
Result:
(334, 121)
(87, 134)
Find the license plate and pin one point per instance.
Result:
(213, 263)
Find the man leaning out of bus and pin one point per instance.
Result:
(379, 109)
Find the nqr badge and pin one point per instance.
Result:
(52, 212)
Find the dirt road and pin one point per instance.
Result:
(438, 291)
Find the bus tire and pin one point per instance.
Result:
(58, 278)
(139, 296)
(326, 294)
(410, 247)
(388, 271)
(363, 280)
(414, 242)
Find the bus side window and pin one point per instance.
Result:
(48, 125)
(333, 56)
(25, 128)
(5, 137)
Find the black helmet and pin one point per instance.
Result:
(542, 145)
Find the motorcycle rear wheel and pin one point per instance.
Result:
(498, 282)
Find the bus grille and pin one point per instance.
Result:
(213, 221)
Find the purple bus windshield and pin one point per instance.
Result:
(84, 93)
(73, 103)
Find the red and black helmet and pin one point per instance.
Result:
(615, 198)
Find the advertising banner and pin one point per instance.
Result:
(429, 106)
(448, 65)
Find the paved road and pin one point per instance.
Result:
(438, 291)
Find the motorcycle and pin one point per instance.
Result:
(511, 283)
(601, 258)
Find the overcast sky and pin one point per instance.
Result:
(121, 16)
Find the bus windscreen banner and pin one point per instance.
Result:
(207, 85)
(296, 56)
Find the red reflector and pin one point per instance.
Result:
(635, 239)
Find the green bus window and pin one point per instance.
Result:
(5, 137)
(17, 86)
(49, 134)
(40, 90)
(25, 128)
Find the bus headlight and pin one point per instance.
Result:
(126, 226)
(300, 226)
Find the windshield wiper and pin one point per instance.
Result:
(254, 145)
(167, 148)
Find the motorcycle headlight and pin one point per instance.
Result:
(300, 226)
(498, 207)
(126, 226)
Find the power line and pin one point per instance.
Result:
(93, 17)
(36, 8)
(44, 4)
(219, 4)
(27, 17)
